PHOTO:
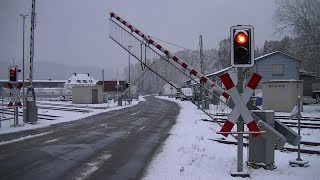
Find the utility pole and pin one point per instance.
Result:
(102, 80)
(31, 110)
(201, 69)
(32, 41)
(201, 55)
(23, 87)
(129, 47)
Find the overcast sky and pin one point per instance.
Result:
(76, 31)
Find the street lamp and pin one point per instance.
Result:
(23, 90)
(129, 47)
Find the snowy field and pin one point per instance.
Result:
(189, 154)
(63, 116)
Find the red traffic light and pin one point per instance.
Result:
(241, 38)
(12, 71)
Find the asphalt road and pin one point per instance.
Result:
(113, 145)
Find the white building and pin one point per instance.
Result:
(80, 79)
(169, 90)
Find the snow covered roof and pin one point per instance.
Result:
(276, 52)
(81, 79)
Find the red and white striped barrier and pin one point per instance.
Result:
(15, 94)
(240, 102)
(215, 88)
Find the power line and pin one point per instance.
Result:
(173, 44)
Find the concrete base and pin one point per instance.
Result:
(300, 163)
(262, 165)
(235, 173)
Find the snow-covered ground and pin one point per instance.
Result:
(189, 154)
(64, 116)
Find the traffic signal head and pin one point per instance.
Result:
(13, 74)
(242, 48)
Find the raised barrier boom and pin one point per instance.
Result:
(215, 88)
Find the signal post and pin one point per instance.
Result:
(15, 91)
(242, 56)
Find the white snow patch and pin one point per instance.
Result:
(189, 154)
(92, 167)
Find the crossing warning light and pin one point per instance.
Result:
(13, 74)
(242, 46)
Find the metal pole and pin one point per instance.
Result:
(201, 55)
(1, 106)
(32, 42)
(102, 80)
(129, 71)
(299, 116)
(201, 70)
(16, 122)
(240, 125)
(118, 83)
(23, 84)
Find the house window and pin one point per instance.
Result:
(277, 69)
(78, 81)
(85, 81)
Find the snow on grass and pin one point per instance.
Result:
(189, 154)
(64, 116)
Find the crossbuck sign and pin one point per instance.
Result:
(15, 95)
(240, 108)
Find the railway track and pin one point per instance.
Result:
(304, 124)
(40, 116)
(306, 151)
(70, 105)
(64, 109)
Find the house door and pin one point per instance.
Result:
(94, 96)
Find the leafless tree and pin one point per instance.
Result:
(302, 18)
(224, 53)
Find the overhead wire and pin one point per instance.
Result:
(173, 44)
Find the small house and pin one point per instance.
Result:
(277, 66)
(80, 79)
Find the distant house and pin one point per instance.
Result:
(80, 79)
(277, 66)
(272, 66)
(168, 89)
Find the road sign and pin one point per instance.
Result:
(15, 94)
(240, 102)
